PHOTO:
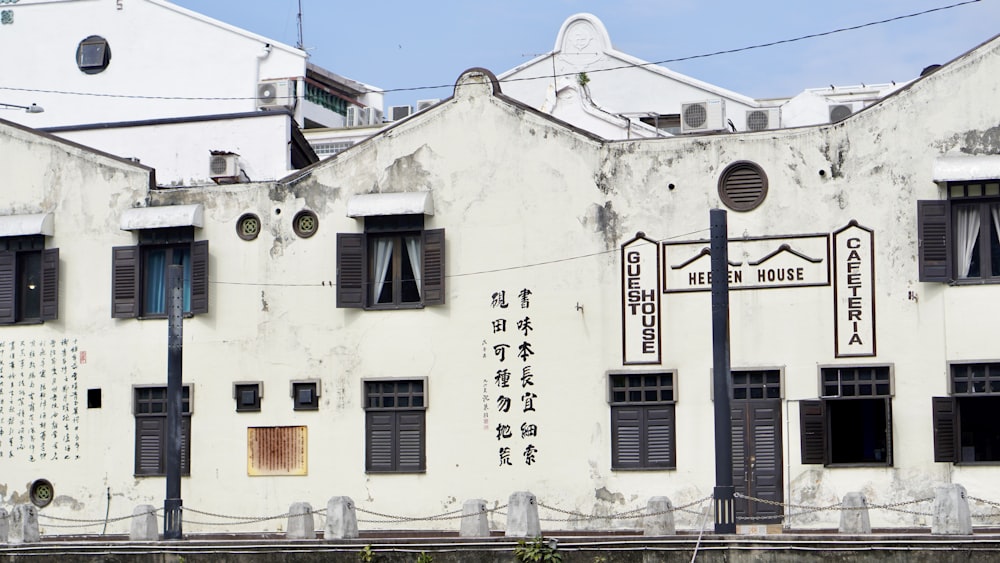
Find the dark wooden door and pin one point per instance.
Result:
(757, 459)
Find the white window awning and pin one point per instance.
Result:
(163, 216)
(22, 225)
(964, 168)
(406, 203)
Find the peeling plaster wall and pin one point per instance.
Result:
(526, 203)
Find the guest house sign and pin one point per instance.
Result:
(641, 301)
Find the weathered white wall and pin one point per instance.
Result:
(525, 203)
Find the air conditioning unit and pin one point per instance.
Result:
(372, 116)
(224, 167)
(840, 112)
(424, 104)
(763, 119)
(399, 112)
(355, 116)
(709, 115)
(273, 94)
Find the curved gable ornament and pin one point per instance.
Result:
(582, 41)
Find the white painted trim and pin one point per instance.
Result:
(964, 168)
(406, 203)
(163, 216)
(20, 225)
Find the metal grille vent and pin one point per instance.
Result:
(695, 115)
(218, 166)
(757, 120)
(266, 93)
(743, 186)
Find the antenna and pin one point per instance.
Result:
(301, 45)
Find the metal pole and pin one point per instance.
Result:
(172, 519)
(724, 494)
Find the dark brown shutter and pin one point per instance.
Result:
(934, 241)
(945, 422)
(351, 270)
(380, 440)
(50, 284)
(199, 277)
(150, 443)
(888, 431)
(8, 287)
(410, 438)
(660, 436)
(124, 282)
(626, 438)
(433, 278)
(185, 445)
(812, 426)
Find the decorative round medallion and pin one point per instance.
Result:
(41, 493)
(305, 224)
(248, 226)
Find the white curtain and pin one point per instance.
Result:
(966, 233)
(383, 258)
(413, 250)
(995, 213)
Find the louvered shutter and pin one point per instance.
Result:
(50, 284)
(199, 277)
(150, 443)
(888, 431)
(410, 433)
(380, 442)
(945, 422)
(812, 426)
(185, 445)
(660, 436)
(8, 287)
(626, 438)
(934, 241)
(433, 276)
(125, 282)
(351, 270)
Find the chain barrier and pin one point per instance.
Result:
(628, 514)
(804, 509)
(993, 514)
(445, 516)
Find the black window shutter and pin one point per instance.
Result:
(934, 241)
(125, 282)
(380, 441)
(8, 287)
(433, 278)
(185, 445)
(660, 436)
(150, 444)
(626, 438)
(199, 277)
(351, 270)
(50, 284)
(888, 431)
(945, 422)
(812, 426)
(410, 437)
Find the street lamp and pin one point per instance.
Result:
(33, 108)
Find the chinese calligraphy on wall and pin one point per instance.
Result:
(513, 399)
(39, 401)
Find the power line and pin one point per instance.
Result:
(549, 77)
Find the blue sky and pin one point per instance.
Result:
(413, 45)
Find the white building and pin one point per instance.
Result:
(482, 299)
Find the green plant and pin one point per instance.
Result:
(424, 558)
(538, 549)
(582, 79)
(366, 555)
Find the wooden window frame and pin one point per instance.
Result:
(816, 424)
(642, 405)
(129, 282)
(395, 434)
(936, 221)
(153, 426)
(946, 412)
(14, 283)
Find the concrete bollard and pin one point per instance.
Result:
(522, 516)
(854, 515)
(145, 526)
(4, 525)
(24, 524)
(951, 511)
(660, 521)
(300, 522)
(341, 520)
(474, 523)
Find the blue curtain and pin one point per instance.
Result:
(156, 278)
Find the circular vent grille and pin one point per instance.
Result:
(218, 165)
(305, 223)
(248, 226)
(757, 120)
(840, 113)
(742, 186)
(695, 115)
(267, 93)
(41, 493)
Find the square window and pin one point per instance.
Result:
(150, 409)
(395, 431)
(852, 423)
(305, 395)
(959, 239)
(93, 398)
(32, 293)
(642, 421)
(139, 274)
(248, 396)
(93, 55)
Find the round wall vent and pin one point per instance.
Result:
(743, 186)
(305, 224)
(248, 226)
(41, 493)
